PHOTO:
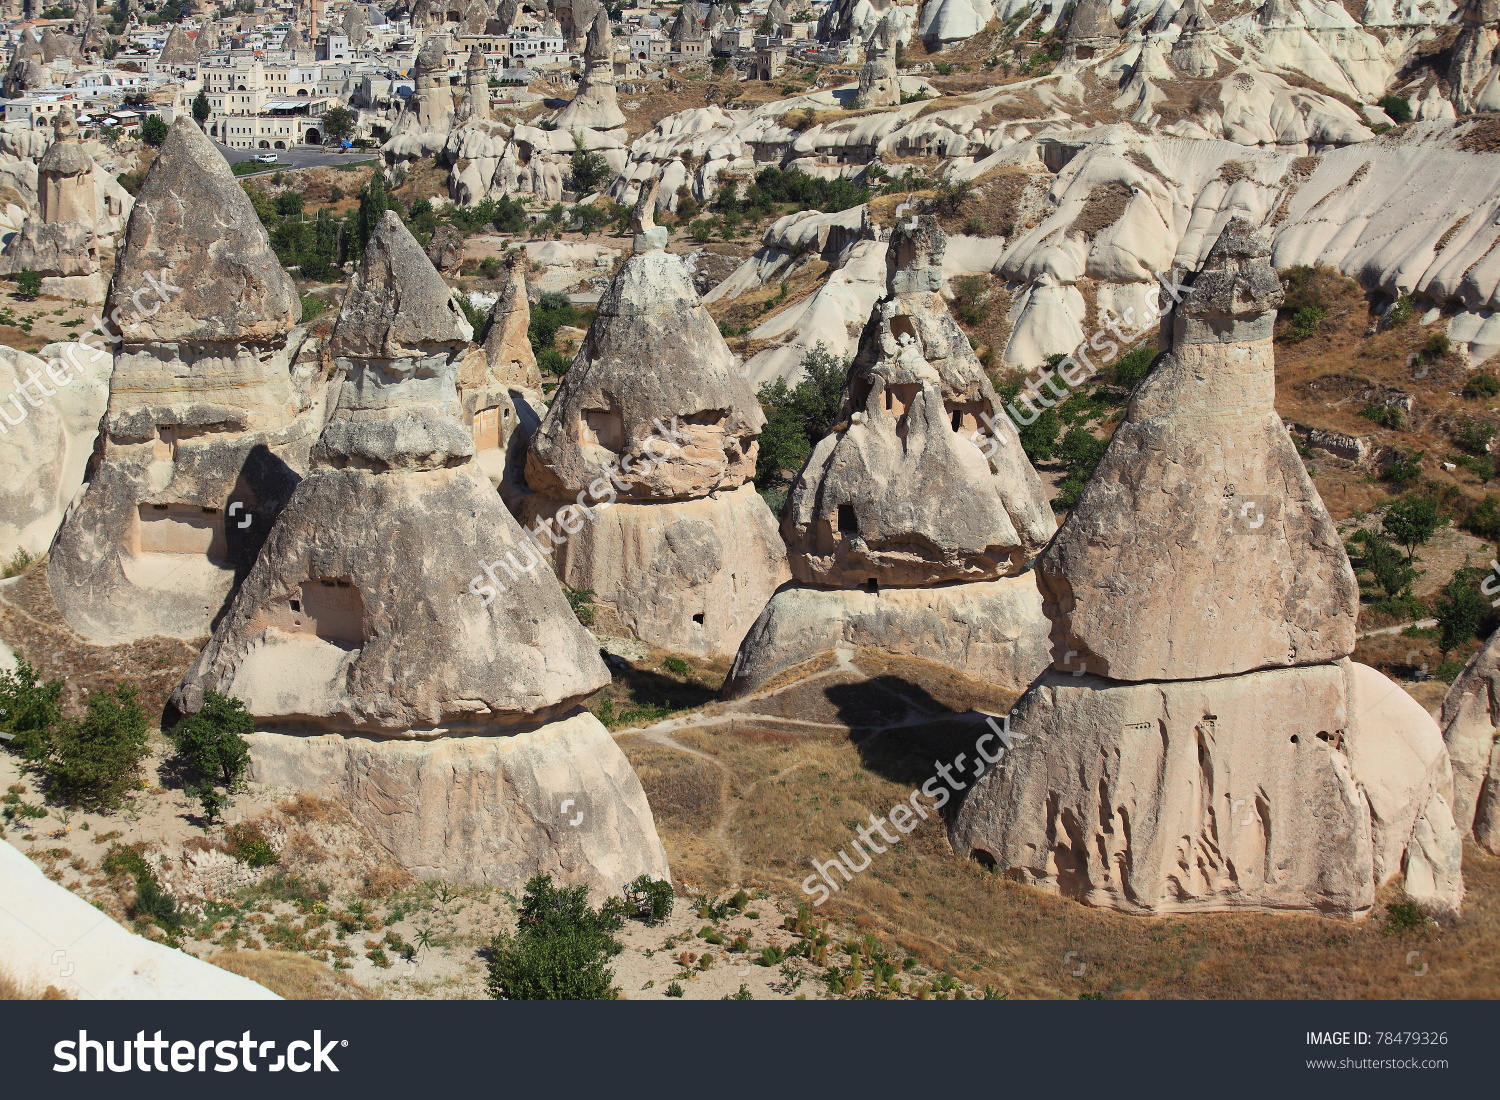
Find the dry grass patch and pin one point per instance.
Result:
(12, 990)
(292, 976)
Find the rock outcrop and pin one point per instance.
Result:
(1471, 720)
(874, 508)
(445, 714)
(61, 243)
(422, 127)
(500, 387)
(209, 420)
(595, 107)
(879, 82)
(652, 434)
(1202, 741)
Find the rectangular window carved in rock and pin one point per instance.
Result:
(604, 428)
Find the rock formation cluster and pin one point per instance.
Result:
(911, 526)
(1202, 740)
(1471, 715)
(448, 722)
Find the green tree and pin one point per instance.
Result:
(1397, 107)
(153, 130)
(1080, 453)
(797, 417)
(28, 284)
(374, 201)
(94, 760)
(338, 124)
(1460, 608)
(288, 204)
(201, 109)
(1410, 522)
(29, 709)
(560, 950)
(212, 741)
(589, 171)
(1386, 565)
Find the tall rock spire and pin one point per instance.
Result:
(206, 419)
(595, 106)
(1202, 741)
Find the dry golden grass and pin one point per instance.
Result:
(790, 797)
(292, 976)
(12, 990)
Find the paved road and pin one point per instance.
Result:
(296, 158)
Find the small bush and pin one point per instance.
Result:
(560, 949)
(20, 561)
(677, 666)
(649, 900)
(1460, 609)
(248, 844)
(1401, 311)
(1474, 436)
(1437, 346)
(28, 284)
(674, 990)
(1484, 519)
(971, 298)
(1387, 416)
(28, 710)
(1404, 918)
(1397, 107)
(152, 902)
(312, 308)
(581, 601)
(1307, 322)
(1405, 469)
(288, 204)
(1484, 384)
(1133, 366)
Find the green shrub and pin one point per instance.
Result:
(674, 990)
(28, 284)
(1437, 346)
(1404, 918)
(797, 417)
(1133, 366)
(1474, 436)
(312, 307)
(559, 950)
(581, 600)
(94, 760)
(1401, 311)
(589, 171)
(212, 745)
(1405, 468)
(1460, 609)
(152, 902)
(971, 298)
(649, 900)
(1484, 519)
(677, 666)
(28, 710)
(1397, 107)
(288, 204)
(154, 130)
(20, 561)
(1386, 565)
(1080, 452)
(248, 844)
(1484, 384)
(1306, 322)
(1411, 521)
(1387, 416)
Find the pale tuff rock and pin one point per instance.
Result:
(473, 15)
(1200, 546)
(422, 127)
(1194, 53)
(1091, 30)
(1255, 767)
(595, 107)
(495, 810)
(179, 48)
(1474, 71)
(500, 387)
(43, 922)
(879, 82)
(51, 441)
(875, 500)
(379, 666)
(1253, 791)
(333, 628)
(356, 24)
(399, 337)
(687, 575)
(208, 421)
(652, 353)
(477, 85)
(61, 241)
(874, 508)
(656, 411)
(1471, 713)
(991, 630)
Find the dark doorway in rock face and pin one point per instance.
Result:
(848, 522)
(872, 585)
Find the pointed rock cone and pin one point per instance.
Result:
(400, 641)
(595, 106)
(1253, 766)
(60, 243)
(206, 422)
(501, 389)
(477, 84)
(656, 416)
(884, 556)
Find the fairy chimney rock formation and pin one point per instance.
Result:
(595, 106)
(1471, 715)
(61, 242)
(207, 424)
(879, 82)
(656, 415)
(871, 518)
(1202, 741)
(501, 387)
(381, 669)
(477, 84)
